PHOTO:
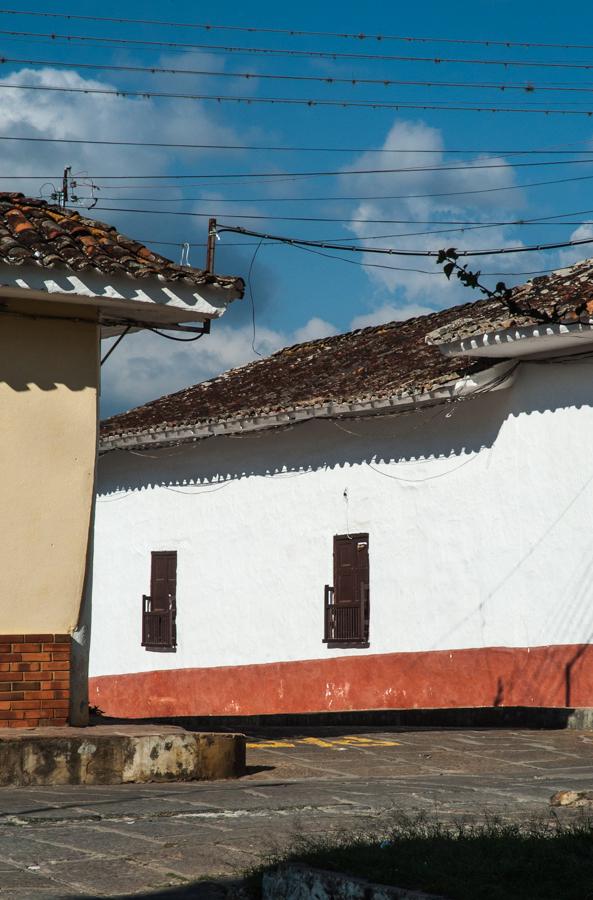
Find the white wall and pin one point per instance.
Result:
(482, 536)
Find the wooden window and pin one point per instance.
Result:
(347, 602)
(159, 610)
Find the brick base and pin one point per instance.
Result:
(34, 680)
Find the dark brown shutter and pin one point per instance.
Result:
(159, 610)
(347, 603)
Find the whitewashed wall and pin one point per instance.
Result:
(481, 536)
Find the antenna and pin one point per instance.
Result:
(211, 245)
(64, 198)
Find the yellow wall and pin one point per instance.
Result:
(48, 426)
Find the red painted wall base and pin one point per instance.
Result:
(556, 676)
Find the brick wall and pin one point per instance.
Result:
(34, 680)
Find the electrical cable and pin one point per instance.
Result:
(295, 32)
(252, 298)
(170, 337)
(353, 81)
(236, 229)
(258, 148)
(465, 225)
(317, 173)
(307, 54)
(341, 198)
(311, 102)
(511, 187)
(116, 344)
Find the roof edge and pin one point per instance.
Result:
(496, 377)
(521, 340)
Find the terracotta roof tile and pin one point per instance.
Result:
(34, 232)
(385, 361)
(563, 296)
(371, 363)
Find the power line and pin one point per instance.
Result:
(343, 259)
(315, 173)
(294, 32)
(340, 198)
(299, 101)
(366, 221)
(275, 148)
(280, 176)
(526, 87)
(368, 265)
(312, 54)
(512, 187)
(388, 251)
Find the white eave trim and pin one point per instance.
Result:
(526, 340)
(118, 296)
(492, 379)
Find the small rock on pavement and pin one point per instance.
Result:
(572, 798)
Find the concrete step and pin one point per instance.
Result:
(117, 754)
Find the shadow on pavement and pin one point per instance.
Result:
(199, 890)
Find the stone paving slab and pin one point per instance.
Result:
(186, 840)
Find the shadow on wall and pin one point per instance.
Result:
(47, 354)
(459, 429)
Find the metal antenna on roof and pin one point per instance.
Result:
(211, 245)
(64, 198)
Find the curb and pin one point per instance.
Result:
(295, 882)
(117, 755)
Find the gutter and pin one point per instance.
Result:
(495, 378)
(522, 340)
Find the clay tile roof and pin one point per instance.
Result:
(33, 231)
(399, 359)
(564, 296)
(371, 363)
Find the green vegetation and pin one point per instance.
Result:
(547, 860)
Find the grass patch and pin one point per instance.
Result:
(491, 860)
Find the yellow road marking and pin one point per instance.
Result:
(317, 742)
(366, 742)
(268, 745)
(327, 744)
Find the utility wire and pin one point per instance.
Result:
(258, 148)
(366, 221)
(343, 259)
(280, 176)
(181, 340)
(317, 173)
(512, 187)
(294, 32)
(353, 81)
(368, 265)
(307, 54)
(299, 101)
(388, 251)
(336, 198)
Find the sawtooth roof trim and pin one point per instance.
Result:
(34, 232)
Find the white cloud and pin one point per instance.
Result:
(390, 313)
(571, 255)
(54, 114)
(403, 278)
(313, 330)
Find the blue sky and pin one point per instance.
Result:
(297, 294)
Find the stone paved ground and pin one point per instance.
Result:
(122, 841)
